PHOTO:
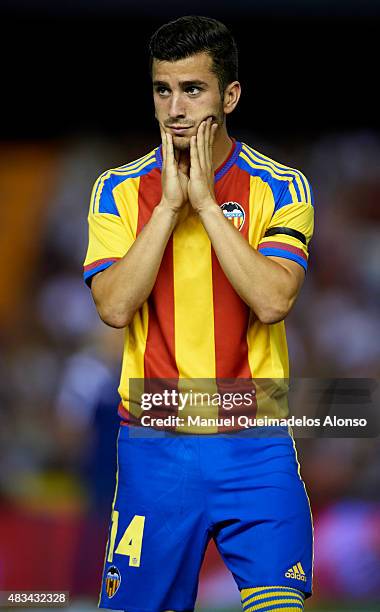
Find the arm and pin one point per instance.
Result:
(122, 288)
(268, 285)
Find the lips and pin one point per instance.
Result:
(179, 128)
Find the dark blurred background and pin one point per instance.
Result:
(76, 100)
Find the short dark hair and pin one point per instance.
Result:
(192, 34)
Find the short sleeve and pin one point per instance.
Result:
(109, 238)
(290, 229)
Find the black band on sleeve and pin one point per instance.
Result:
(286, 230)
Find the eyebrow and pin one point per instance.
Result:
(191, 83)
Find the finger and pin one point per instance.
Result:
(208, 156)
(214, 129)
(194, 161)
(163, 140)
(201, 145)
(169, 150)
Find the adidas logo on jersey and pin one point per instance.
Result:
(296, 572)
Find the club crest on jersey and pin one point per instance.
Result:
(234, 213)
(113, 579)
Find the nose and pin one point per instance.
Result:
(177, 107)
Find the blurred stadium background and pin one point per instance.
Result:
(76, 101)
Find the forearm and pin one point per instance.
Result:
(122, 288)
(267, 287)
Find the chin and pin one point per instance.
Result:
(181, 143)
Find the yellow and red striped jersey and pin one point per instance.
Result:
(194, 325)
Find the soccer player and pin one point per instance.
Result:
(199, 250)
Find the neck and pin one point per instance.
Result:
(221, 150)
(222, 147)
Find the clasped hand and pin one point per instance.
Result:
(189, 179)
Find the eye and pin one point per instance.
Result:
(162, 91)
(193, 90)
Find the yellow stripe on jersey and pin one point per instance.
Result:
(293, 192)
(264, 361)
(131, 165)
(194, 336)
(127, 172)
(303, 184)
(261, 207)
(270, 368)
(126, 194)
(274, 173)
(133, 362)
(138, 161)
(280, 359)
(280, 169)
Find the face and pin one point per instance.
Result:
(186, 92)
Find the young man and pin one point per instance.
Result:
(199, 250)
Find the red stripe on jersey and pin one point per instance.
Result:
(284, 246)
(98, 262)
(231, 314)
(159, 358)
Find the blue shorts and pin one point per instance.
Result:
(174, 493)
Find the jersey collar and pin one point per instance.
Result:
(223, 168)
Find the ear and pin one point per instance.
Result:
(231, 97)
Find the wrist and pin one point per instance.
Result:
(209, 207)
(165, 210)
(169, 206)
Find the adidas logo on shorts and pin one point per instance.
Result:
(296, 572)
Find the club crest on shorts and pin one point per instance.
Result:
(234, 213)
(113, 579)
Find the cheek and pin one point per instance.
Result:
(201, 110)
(159, 108)
(211, 106)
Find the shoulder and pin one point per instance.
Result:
(281, 179)
(132, 169)
(102, 191)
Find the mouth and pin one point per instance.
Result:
(179, 129)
